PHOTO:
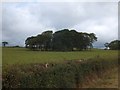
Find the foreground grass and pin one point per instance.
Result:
(23, 68)
(109, 80)
(25, 56)
(70, 74)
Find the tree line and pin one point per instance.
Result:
(63, 40)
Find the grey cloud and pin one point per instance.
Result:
(21, 20)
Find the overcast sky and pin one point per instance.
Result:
(21, 20)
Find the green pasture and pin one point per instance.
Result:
(25, 56)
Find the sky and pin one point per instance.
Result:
(24, 19)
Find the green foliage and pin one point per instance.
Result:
(69, 74)
(39, 42)
(114, 45)
(64, 40)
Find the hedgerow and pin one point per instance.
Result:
(68, 74)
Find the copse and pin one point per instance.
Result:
(63, 40)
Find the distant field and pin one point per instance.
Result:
(25, 56)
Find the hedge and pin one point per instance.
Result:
(69, 74)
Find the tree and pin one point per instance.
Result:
(60, 41)
(106, 45)
(67, 40)
(63, 40)
(31, 42)
(114, 45)
(4, 43)
(47, 39)
(92, 38)
(40, 42)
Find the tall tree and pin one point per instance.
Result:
(92, 38)
(47, 39)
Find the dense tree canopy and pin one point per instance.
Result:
(63, 40)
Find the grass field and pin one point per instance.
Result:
(32, 74)
(25, 56)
